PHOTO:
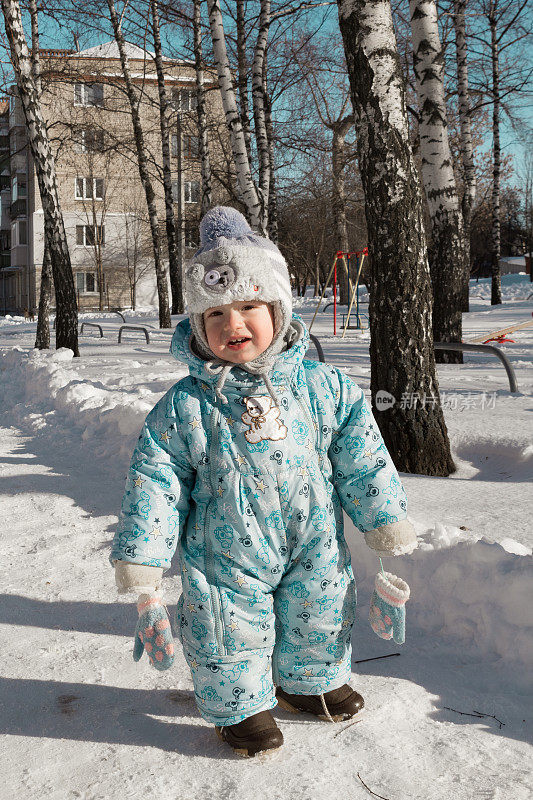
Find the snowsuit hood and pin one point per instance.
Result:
(222, 374)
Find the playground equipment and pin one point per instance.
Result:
(139, 328)
(91, 325)
(344, 257)
(483, 348)
(318, 347)
(499, 333)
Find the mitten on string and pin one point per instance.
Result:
(153, 633)
(387, 607)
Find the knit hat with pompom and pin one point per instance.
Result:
(234, 263)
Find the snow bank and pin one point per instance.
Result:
(464, 588)
(42, 383)
(514, 287)
(472, 592)
(11, 320)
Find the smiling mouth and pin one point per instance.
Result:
(239, 342)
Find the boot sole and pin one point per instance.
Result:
(243, 751)
(295, 710)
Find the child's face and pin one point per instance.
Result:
(241, 331)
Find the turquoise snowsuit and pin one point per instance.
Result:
(251, 495)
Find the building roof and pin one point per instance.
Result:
(515, 259)
(110, 50)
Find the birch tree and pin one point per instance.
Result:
(466, 142)
(203, 138)
(448, 248)
(496, 285)
(175, 251)
(251, 196)
(258, 91)
(54, 229)
(42, 337)
(242, 75)
(504, 46)
(401, 346)
(162, 289)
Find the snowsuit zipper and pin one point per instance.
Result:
(210, 562)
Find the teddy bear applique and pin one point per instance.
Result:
(263, 418)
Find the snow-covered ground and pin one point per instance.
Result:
(81, 720)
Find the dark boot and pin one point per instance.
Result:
(252, 735)
(339, 704)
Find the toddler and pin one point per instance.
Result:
(244, 467)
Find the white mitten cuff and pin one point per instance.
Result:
(137, 578)
(392, 589)
(395, 539)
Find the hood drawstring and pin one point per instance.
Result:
(225, 369)
(260, 367)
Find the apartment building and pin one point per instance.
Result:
(103, 203)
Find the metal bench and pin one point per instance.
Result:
(132, 328)
(483, 348)
(91, 325)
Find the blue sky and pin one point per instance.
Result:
(54, 35)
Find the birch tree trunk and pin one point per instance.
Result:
(203, 138)
(467, 148)
(175, 253)
(447, 253)
(42, 337)
(255, 205)
(261, 137)
(401, 348)
(338, 160)
(496, 291)
(272, 191)
(54, 229)
(242, 77)
(162, 288)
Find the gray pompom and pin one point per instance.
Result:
(222, 222)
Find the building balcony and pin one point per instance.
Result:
(18, 208)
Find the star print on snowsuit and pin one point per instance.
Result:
(268, 593)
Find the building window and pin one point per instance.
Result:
(175, 191)
(191, 235)
(88, 140)
(88, 94)
(17, 142)
(89, 235)
(192, 191)
(89, 188)
(5, 241)
(86, 282)
(191, 146)
(183, 99)
(18, 187)
(19, 233)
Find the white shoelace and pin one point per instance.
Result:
(326, 712)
